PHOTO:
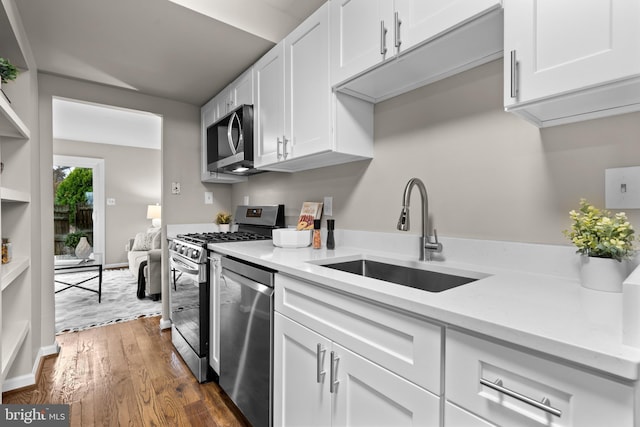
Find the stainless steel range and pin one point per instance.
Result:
(191, 276)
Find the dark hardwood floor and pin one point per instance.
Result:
(127, 374)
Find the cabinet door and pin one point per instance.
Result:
(301, 392)
(366, 394)
(214, 326)
(269, 106)
(242, 89)
(423, 20)
(360, 31)
(563, 46)
(307, 90)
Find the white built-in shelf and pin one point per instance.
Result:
(13, 335)
(10, 123)
(11, 195)
(12, 270)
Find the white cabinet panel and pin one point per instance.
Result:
(360, 31)
(301, 396)
(269, 106)
(422, 20)
(363, 393)
(307, 93)
(582, 399)
(398, 342)
(368, 395)
(554, 50)
(456, 417)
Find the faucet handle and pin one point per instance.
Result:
(433, 246)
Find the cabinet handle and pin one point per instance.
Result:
(320, 350)
(514, 75)
(383, 39)
(284, 147)
(278, 148)
(332, 373)
(396, 35)
(544, 404)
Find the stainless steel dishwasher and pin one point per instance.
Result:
(246, 338)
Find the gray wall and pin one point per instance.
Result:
(132, 177)
(489, 174)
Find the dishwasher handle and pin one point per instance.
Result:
(258, 287)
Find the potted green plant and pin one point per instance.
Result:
(8, 72)
(223, 219)
(605, 243)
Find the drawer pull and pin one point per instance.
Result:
(544, 404)
(333, 382)
(320, 373)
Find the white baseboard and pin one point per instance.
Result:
(117, 265)
(30, 379)
(165, 323)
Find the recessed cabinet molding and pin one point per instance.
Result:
(380, 49)
(299, 123)
(557, 73)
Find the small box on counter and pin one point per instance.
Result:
(309, 213)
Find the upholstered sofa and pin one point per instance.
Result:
(146, 246)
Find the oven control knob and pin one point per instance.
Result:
(195, 254)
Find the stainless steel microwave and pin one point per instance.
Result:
(230, 143)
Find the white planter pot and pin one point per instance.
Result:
(224, 228)
(603, 274)
(83, 249)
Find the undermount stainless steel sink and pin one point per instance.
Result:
(425, 280)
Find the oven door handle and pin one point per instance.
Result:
(258, 287)
(182, 267)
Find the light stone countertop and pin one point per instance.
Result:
(548, 312)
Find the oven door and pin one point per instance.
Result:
(190, 302)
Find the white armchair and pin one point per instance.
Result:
(147, 247)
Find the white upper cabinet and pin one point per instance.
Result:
(359, 36)
(269, 107)
(571, 60)
(382, 48)
(299, 123)
(417, 21)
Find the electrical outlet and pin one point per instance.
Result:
(328, 206)
(208, 197)
(111, 201)
(175, 188)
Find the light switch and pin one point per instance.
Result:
(622, 188)
(208, 197)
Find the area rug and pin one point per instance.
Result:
(78, 309)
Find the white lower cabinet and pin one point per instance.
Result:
(508, 387)
(321, 383)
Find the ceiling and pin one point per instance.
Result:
(185, 50)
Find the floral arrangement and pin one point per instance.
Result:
(7, 71)
(596, 233)
(223, 218)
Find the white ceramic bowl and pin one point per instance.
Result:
(291, 238)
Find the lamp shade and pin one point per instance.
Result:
(154, 213)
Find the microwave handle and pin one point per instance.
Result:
(234, 147)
